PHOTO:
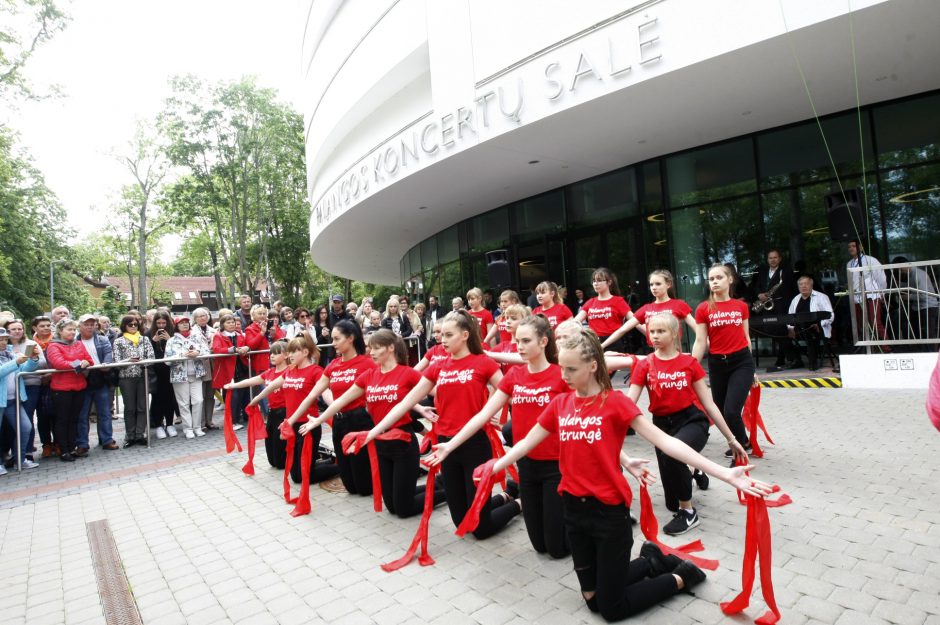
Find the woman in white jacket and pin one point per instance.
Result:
(186, 376)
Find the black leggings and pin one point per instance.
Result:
(274, 447)
(398, 472)
(541, 506)
(355, 471)
(731, 376)
(691, 427)
(319, 471)
(67, 406)
(601, 540)
(457, 472)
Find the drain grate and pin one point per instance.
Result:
(113, 587)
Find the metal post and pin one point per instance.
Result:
(51, 286)
(19, 446)
(147, 404)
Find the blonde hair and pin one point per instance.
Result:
(668, 320)
(568, 326)
(666, 275)
(589, 349)
(511, 295)
(517, 311)
(475, 292)
(551, 287)
(304, 341)
(258, 309)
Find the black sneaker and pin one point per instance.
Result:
(659, 562)
(775, 368)
(691, 575)
(67, 458)
(681, 522)
(701, 479)
(730, 454)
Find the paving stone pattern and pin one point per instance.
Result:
(202, 543)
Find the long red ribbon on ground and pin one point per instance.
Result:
(353, 444)
(499, 451)
(753, 420)
(421, 535)
(256, 432)
(757, 544)
(231, 441)
(650, 526)
(287, 433)
(302, 506)
(485, 478)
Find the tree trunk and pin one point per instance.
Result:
(142, 258)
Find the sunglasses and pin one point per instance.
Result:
(132, 324)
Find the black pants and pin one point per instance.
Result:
(274, 447)
(355, 471)
(542, 507)
(601, 540)
(68, 404)
(618, 346)
(809, 333)
(240, 400)
(457, 472)
(163, 404)
(45, 415)
(731, 377)
(691, 427)
(507, 432)
(398, 472)
(319, 471)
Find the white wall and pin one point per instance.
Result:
(893, 370)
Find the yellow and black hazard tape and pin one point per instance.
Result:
(803, 383)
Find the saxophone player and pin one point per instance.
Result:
(775, 287)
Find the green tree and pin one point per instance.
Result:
(25, 25)
(112, 304)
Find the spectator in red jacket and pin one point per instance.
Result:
(259, 335)
(68, 389)
(224, 370)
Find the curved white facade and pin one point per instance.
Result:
(421, 113)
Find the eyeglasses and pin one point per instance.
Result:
(302, 315)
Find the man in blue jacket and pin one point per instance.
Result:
(97, 391)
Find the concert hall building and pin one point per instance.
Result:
(628, 134)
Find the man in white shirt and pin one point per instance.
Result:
(874, 280)
(809, 300)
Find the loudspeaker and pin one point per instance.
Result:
(497, 269)
(847, 217)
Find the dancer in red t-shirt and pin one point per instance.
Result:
(482, 315)
(528, 389)
(274, 447)
(607, 312)
(550, 304)
(460, 384)
(381, 388)
(506, 299)
(678, 394)
(661, 285)
(721, 324)
(591, 423)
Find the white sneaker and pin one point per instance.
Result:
(237, 426)
(29, 464)
(161, 433)
(199, 432)
(189, 434)
(3, 469)
(171, 431)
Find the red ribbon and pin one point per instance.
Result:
(753, 420)
(757, 543)
(498, 452)
(353, 444)
(231, 441)
(421, 535)
(256, 432)
(288, 433)
(650, 526)
(302, 506)
(485, 478)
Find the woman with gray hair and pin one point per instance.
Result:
(202, 324)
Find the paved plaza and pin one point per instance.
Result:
(202, 543)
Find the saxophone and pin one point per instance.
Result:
(760, 306)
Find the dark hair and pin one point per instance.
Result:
(126, 319)
(386, 338)
(606, 274)
(161, 314)
(316, 315)
(299, 311)
(351, 329)
(37, 320)
(467, 322)
(543, 329)
(304, 341)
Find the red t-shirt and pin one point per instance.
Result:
(485, 318)
(343, 374)
(384, 390)
(725, 325)
(297, 385)
(591, 431)
(676, 307)
(504, 348)
(461, 389)
(435, 354)
(502, 326)
(669, 382)
(275, 399)
(606, 316)
(556, 314)
(529, 394)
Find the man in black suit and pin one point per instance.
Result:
(778, 278)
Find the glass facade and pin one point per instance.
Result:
(726, 202)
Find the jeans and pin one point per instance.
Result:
(398, 472)
(731, 376)
(29, 404)
(457, 472)
(355, 471)
(9, 424)
(601, 540)
(691, 427)
(542, 507)
(102, 398)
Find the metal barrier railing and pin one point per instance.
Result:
(895, 304)
(116, 365)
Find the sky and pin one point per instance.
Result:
(112, 63)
